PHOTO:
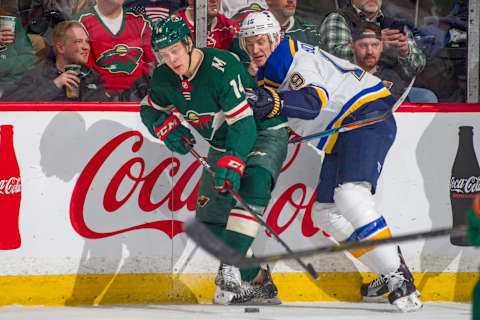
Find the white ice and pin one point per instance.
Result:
(288, 311)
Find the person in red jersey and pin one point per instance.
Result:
(120, 44)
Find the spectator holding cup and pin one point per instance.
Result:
(66, 78)
(16, 51)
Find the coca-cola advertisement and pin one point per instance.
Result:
(464, 183)
(10, 191)
(103, 203)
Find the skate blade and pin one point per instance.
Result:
(222, 297)
(264, 302)
(375, 299)
(409, 303)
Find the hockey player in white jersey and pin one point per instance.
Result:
(302, 82)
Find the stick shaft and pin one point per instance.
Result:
(359, 123)
(309, 268)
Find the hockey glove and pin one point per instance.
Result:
(473, 228)
(173, 133)
(229, 171)
(265, 102)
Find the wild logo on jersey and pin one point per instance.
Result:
(387, 84)
(201, 122)
(121, 58)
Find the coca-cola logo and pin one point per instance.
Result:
(10, 186)
(295, 197)
(465, 185)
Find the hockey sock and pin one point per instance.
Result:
(248, 274)
(238, 241)
(216, 229)
(241, 243)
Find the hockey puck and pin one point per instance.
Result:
(252, 310)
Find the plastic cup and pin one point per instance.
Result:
(74, 92)
(7, 21)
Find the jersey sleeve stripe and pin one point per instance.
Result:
(272, 83)
(239, 112)
(345, 113)
(322, 94)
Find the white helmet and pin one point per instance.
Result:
(257, 23)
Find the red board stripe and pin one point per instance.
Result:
(135, 106)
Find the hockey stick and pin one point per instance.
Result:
(209, 242)
(359, 123)
(309, 268)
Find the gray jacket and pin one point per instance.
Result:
(37, 85)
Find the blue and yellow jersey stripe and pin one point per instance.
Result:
(363, 97)
(357, 72)
(278, 64)
(322, 94)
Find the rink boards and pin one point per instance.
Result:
(103, 203)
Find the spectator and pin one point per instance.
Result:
(399, 46)
(292, 26)
(367, 48)
(120, 44)
(48, 81)
(44, 15)
(397, 38)
(222, 31)
(16, 54)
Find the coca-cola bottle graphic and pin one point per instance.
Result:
(10, 191)
(464, 183)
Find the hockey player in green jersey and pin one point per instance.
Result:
(206, 87)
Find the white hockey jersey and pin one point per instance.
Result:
(342, 86)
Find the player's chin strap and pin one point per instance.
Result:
(359, 123)
(189, 146)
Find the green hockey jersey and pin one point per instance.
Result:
(212, 101)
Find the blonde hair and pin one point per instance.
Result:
(58, 33)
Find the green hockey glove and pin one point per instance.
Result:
(473, 228)
(265, 102)
(229, 171)
(172, 133)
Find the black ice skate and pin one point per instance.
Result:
(266, 291)
(403, 293)
(230, 288)
(375, 289)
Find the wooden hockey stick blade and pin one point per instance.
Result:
(308, 267)
(216, 247)
(359, 123)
